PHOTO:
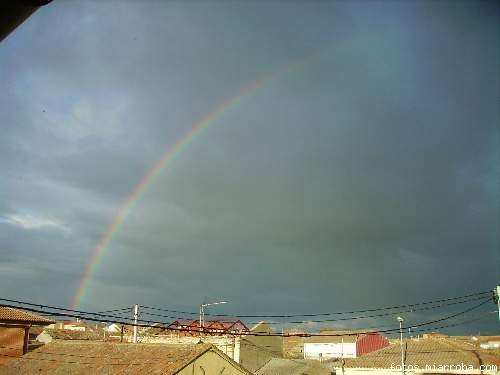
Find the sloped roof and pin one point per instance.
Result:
(422, 352)
(262, 327)
(228, 324)
(282, 366)
(99, 358)
(68, 334)
(17, 316)
(183, 322)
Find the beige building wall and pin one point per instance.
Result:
(293, 346)
(212, 363)
(11, 343)
(256, 351)
(229, 345)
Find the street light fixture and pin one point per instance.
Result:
(401, 320)
(202, 312)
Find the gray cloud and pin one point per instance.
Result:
(366, 176)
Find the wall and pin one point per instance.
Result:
(211, 363)
(229, 345)
(329, 350)
(11, 343)
(293, 346)
(257, 351)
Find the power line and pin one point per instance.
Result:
(79, 312)
(204, 330)
(58, 308)
(125, 309)
(176, 318)
(322, 314)
(343, 319)
(166, 324)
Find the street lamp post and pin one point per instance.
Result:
(401, 320)
(202, 312)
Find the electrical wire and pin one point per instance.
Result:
(321, 314)
(125, 309)
(204, 330)
(165, 324)
(409, 306)
(340, 319)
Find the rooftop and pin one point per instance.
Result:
(421, 353)
(15, 316)
(99, 358)
(281, 366)
(66, 334)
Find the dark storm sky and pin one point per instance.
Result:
(367, 176)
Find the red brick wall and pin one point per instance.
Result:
(11, 343)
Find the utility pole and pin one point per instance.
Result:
(202, 312)
(201, 317)
(136, 314)
(401, 320)
(496, 299)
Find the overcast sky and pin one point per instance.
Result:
(367, 175)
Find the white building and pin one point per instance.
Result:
(343, 344)
(114, 328)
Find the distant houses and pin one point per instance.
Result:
(72, 325)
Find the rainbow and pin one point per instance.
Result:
(149, 178)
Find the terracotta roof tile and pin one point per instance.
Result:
(282, 366)
(65, 357)
(16, 316)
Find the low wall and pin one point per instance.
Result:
(229, 345)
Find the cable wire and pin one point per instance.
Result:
(338, 319)
(321, 314)
(205, 330)
(162, 323)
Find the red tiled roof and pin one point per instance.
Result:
(16, 316)
(232, 324)
(65, 357)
